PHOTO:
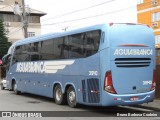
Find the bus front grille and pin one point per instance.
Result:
(132, 62)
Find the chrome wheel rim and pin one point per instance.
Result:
(15, 87)
(58, 94)
(72, 96)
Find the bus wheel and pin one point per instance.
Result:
(71, 97)
(15, 88)
(59, 97)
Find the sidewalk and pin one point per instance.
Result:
(155, 105)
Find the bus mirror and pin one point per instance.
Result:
(6, 58)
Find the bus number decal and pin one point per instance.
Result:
(93, 73)
(147, 82)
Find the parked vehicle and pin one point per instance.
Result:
(101, 65)
(3, 84)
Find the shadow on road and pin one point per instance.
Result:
(109, 109)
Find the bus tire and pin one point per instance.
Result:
(71, 97)
(15, 88)
(59, 97)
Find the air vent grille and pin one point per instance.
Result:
(132, 62)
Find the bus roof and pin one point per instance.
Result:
(60, 34)
(54, 35)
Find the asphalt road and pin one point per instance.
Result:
(25, 104)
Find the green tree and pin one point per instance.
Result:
(4, 44)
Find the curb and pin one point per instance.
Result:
(155, 105)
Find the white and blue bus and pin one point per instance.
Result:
(101, 65)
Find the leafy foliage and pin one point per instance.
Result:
(4, 44)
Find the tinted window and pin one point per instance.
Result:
(76, 46)
(46, 50)
(73, 46)
(21, 53)
(84, 44)
(53, 49)
(91, 42)
(34, 51)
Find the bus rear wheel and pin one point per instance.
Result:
(59, 97)
(71, 97)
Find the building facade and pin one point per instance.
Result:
(148, 12)
(13, 23)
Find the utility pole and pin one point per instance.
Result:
(65, 28)
(24, 20)
(21, 11)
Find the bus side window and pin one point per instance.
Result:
(91, 43)
(35, 57)
(75, 46)
(84, 44)
(16, 55)
(64, 47)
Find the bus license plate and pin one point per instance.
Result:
(134, 98)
